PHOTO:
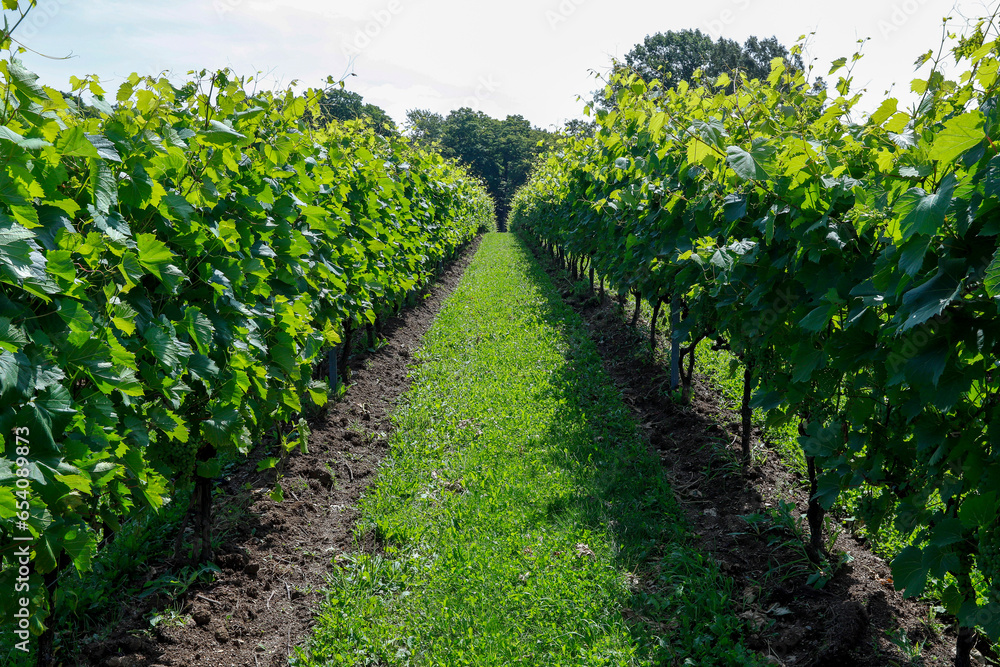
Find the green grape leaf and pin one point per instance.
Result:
(744, 164)
(911, 259)
(23, 80)
(8, 503)
(103, 188)
(992, 281)
(75, 315)
(9, 371)
(131, 270)
(939, 560)
(922, 213)
(735, 207)
(220, 134)
(170, 423)
(978, 510)
(59, 263)
(909, 574)
(7, 134)
(827, 490)
(958, 135)
(925, 369)
(104, 148)
(178, 205)
(165, 346)
(74, 143)
(75, 482)
(12, 337)
(47, 550)
(79, 543)
(219, 430)
(818, 318)
(16, 259)
(153, 254)
(930, 298)
(265, 464)
(203, 368)
(199, 328)
(210, 469)
(946, 532)
(884, 111)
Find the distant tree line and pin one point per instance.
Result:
(342, 105)
(501, 152)
(675, 56)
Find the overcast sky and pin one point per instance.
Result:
(527, 57)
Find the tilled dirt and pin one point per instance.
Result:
(848, 621)
(275, 556)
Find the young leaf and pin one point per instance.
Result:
(958, 135)
(153, 254)
(909, 574)
(744, 164)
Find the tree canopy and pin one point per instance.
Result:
(501, 152)
(675, 56)
(339, 104)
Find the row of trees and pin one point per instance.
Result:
(502, 152)
(671, 57)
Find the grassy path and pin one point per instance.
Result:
(521, 519)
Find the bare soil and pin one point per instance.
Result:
(275, 556)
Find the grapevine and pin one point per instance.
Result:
(175, 262)
(989, 560)
(851, 262)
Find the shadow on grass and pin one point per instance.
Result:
(719, 568)
(679, 602)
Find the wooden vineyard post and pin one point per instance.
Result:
(675, 343)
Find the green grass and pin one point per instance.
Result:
(522, 519)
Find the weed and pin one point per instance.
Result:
(171, 616)
(908, 648)
(175, 585)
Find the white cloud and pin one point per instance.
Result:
(535, 56)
